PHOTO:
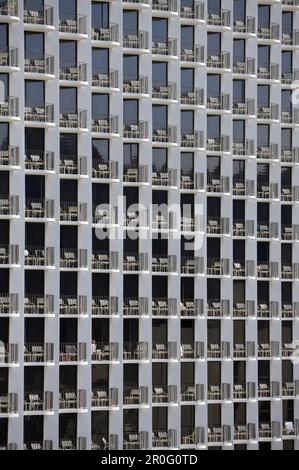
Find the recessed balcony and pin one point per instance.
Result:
(105, 261)
(9, 404)
(245, 108)
(135, 40)
(73, 258)
(102, 169)
(290, 3)
(165, 6)
(136, 441)
(269, 33)
(290, 310)
(246, 26)
(73, 305)
(71, 211)
(192, 181)
(164, 307)
(9, 304)
(192, 139)
(164, 135)
(135, 351)
(243, 187)
(72, 399)
(135, 262)
(136, 86)
(39, 208)
(37, 15)
(218, 60)
(244, 309)
(104, 397)
(73, 120)
(9, 58)
(105, 441)
(268, 72)
(192, 393)
(135, 173)
(218, 143)
(267, 269)
(194, 54)
(164, 394)
(267, 229)
(73, 26)
(39, 160)
(134, 219)
(73, 165)
(135, 130)
(216, 351)
(289, 232)
(164, 263)
(218, 308)
(104, 306)
(9, 353)
(191, 307)
(104, 217)
(167, 350)
(38, 352)
(38, 304)
(243, 228)
(135, 306)
(76, 73)
(9, 109)
(217, 392)
(72, 352)
(164, 439)
(109, 34)
(9, 255)
(191, 436)
(39, 114)
(135, 395)
(267, 152)
(218, 226)
(290, 389)
(268, 112)
(243, 148)
(267, 190)
(221, 185)
(192, 265)
(39, 257)
(105, 125)
(219, 17)
(192, 350)
(9, 9)
(9, 206)
(164, 178)
(38, 402)
(194, 11)
(164, 91)
(41, 66)
(163, 48)
(192, 97)
(269, 349)
(243, 66)
(105, 78)
(246, 432)
(105, 351)
(219, 102)
(72, 444)
(9, 156)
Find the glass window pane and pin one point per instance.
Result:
(68, 100)
(68, 53)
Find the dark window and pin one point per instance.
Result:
(100, 15)
(68, 144)
(68, 53)
(100, 106)
(238, 131)
(130, 22)
(131, 154)
(68, 9)
(159, 29)
(4, 135)
(100, 149)
(286, 100)
(239, 10)
(3, 36)
(160, 120)
(34, 92)
(130, 111)
(100, 60)
(286, 62)
(130, 67)
(159, 159)
(159, 73)
(239, 91)
(68, 100)
(34, 45)
(187, 37)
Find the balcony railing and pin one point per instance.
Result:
(39, 256)
(216, 350)
(135, 39)
(9, 353)
(73, 120)
(73, 305)
(73, 211)
(135, 85)
(268, 152)
(105, 78)
(244, 108)
(9, 56)
(289, 232)
(165, 5)
(268, 112)
(104, 306)
(164, 91)
(102, 169)
(104, 217)
(164, 307)
(134, 306)
(104, 441)
(220, 102)
(9, 303)
(194, 11)
(39, 352)
(39, 113)
(243, 148)
(72, 399)
(244, 309)
(136, 440)
(135, 262)
(270, 430)
(267, 191)
(290, 38)
(8, 403)
(290, 389)
(219, 17)
(73, 352)
(76, 25)
(192, 265)
(247, 26)
(164, 350)
(290, 117)
(243, 65)
(73, 258)
(9, 8)
(105, 124)
(242, 187)
(218, 143)
(270, 32)
(164, 438)
(191, 180)
(191, 350)
(9, 205)
(108, 34)
(38, 304)
(10, 107)
(42, 65)
(290, 310)
(164, 47)
(135, 351)
(267, 230)
(135, 173)
(268, 71)
(193, 139)
(194, 53)
(288, 77)
(104, 396)
(162, 134)
(245, 432)
(215, 185)
(218, 60)
(218, 308)
(39, 160)
(39, 15)
(191, 436)
(164, 394)
(164, 178)
(9, 254)
(105, 351)
(135, 130)
(105, 260)
(9, 155)
(73, 72)
(135, 395)
(164, 263)
(73, 165)
(38, 401)
(190, 392)
(191, 307)
(216, 225)
(39, 208)
(192, 97)
(217, 392)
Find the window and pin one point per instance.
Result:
(239, 10)
(4, 135)
(239, 91)
(213, 126)
(214, 7)
(263, 135)
(187, 122)
(4, 89)
(238, 131)
(214, 44)
(100, 15)
(160, 120)
(213, 167)
(34, 45)
(263, 56)
(187, 37)
(239, 48)
(130, 67)
(100, 149)
(160, 30)
(68, 145)
(130, 154)
(34, 139)
(68, 9)
(68, 53)
(187, 80)
(68, 100)
(238, 170)
(3, 36)
(213, 85)
(130, 111)
(159, 73)
(187, 163)
(263, 16)
(100, 106)
(286, 62)
(34, 92)
(286, 101)
(100, 60)
(159, 159)
(263, 96)
(287, 22)
(130, 22)
(286, 138)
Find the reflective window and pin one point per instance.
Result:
(130, 67)
(263, 56)
(160, 120)
(263, 16)
(130, 111)
(286, 100)
(213, 126)
(263, 134)
(286, 138)
(187, 122)
(159, 159)
(239, 91)
(68, 144)
(100, 15)
(68, 9)
(187, 37)
(187, 163)
(68, 100)
(214, 43)
(213, 85)
(3, 36)
(159, 30)
(238, 130)
(214, 6)
(287, 22)
(100, 149)
(34, 92)
(263, 95)
(187, 80)
(68, 53)
(159, 73)
(130, 154)
(100, 60)
(34, 45)
(130, 21)
(239, 10)
(286, 62)
(4, 86)
(4, 135)
(239, 47)
(100, 106)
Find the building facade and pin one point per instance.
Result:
(139, 329)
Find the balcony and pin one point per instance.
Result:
(164, 135)
(39, 16)
(135, 306)
(134, 219)
(38, 401)
(268, 350)
(218, 308)
(39, 256)
(38, 352)
(268, 72)
(9, 156)
(135, 262)
(72, 352)
(135, 40)
(9, 353)
(164, 91)
(105, 261)
(291, 429)
(135, 174)
(245, 108)
(73, 25)
(39, 160)
(165, 6)
(9, 8)
(38, 304)
(288, 77)
(9, 108)
(136, 440)
(9, 206)
(219, 103)
(191, 97)
(70, 165)
(42, 65)
(194, 54)
(270, 430)
(219, 18)
(267, 191)
(72, 444)
(192, 181)
(73, 305)
(215, 185)
(290, 38)
(9, 57)
(136, 130)
(105, 351)
(72, 399)
(244, 309)
(268, 112)
(290, 389)
(103, 441)
(9, 404)
(243, 187)
(245, 432)
(267, 269)
(102, 169)
(135, 395)
(73, 72)
(218, 226)
(216, 350)
(105, 125)
(73, 258)
(245, 27)
(290, 310)
(288, 349)
(218, 60)
(195, 11)
(191, 307)
(73, 120)
(167, 350)
(164, 178)
(108, 34)
(191, 350)
(104, 397)
(40, 113)
(39, 208)
(164, 394)
(9, 304)
(164, 48)
(290, 117)
(192, 265)
(136, 86)
(217, 392)
(164, 307)
(193, 139)
(73, 212)
(244, 148)
(165, 439)
(267, 309)
(164, 263)
(191, 436)
(104, 217)
(269, 152)
(267, 230)
(289, 232)
(290, 3)
(243, 66)
(135, 351)
(9, 255)
(105, 78)
(269, 33)
(104, 306)
(191, 392)
(218, 143)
